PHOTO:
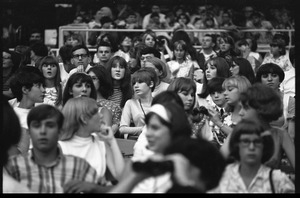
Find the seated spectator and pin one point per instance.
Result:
(87, 136)
(27, 86)
(44, 166)
(103, 53)
(251, 145)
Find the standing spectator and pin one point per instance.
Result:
(154, 9)
(251, 145)
(104, 89)
(143, 83)
(44, 166)
(11, 134)
(28, 88)
(86, 136)
(121, 78)
(52, 81)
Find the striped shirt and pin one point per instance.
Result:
(49, 179)
(117, 96)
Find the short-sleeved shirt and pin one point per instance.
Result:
(49, 179)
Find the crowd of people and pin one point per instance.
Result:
(216, 120)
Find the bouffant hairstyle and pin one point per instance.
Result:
(160, 65)
(251, 127)
(266, 101)
(269, 68)
(245, 68)
(146, 75)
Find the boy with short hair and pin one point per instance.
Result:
(44, 169)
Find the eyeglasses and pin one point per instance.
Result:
(80, 55)
(246, 142)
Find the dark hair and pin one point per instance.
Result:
(184, 47)
(185, 15)
(215, 85)
(77, 47)
(150, 50)
(202, 154)
(270, 68)
(154, 15)
(251, 127)
(183, 84)
(15, 58)
(179, 126)
(245, 68)
(266, 101)
(280, 42)
(11, 130)
(111, 40)
(39, 49)
(125, 83)
(105, 83)
(25, 76)
(167, 96)
(65, 52)
(45, 111)
(75, 78)
(222, 71)
(146, 75)
(183, 35)
(57, 83)
(106, 19)
(103, 44)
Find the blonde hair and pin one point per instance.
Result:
(240, 82)
(73, 109)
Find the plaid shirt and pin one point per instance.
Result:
(49, 179)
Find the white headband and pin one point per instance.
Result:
(161, 111)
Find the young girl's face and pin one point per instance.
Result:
(158, 135)
(149, 41)
(81, 89)
(232, 94)
(224, 47)
(234, 69)
(187, 98)
(127, 42)
(95, 79)
(210, 71)
(49, 71)
(117, 71)
(179, 52)
(248, 113)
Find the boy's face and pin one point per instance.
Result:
(44, 134)
(104, 53)
(218, 98)
(36, 93)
